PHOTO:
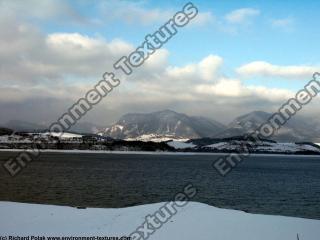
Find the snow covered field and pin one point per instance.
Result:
(180, 145)
(157, 138)
(261, 147)
(65, 135)
(265, 147)
(194, 221)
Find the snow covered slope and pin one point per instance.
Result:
(156, 138)
(180, 144)
(298, 129)
(163, 123)
(65, 135)
(194, 221)
(265, 147)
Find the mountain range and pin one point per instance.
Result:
(168, 124)
(163, 123)
(178, 125)
(297, 129)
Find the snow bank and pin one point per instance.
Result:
(65, 135)
(156, 138)
(265, 147)
(180, 145)
(287, 147)
(194, 221)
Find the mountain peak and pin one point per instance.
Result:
(166, 111)
(162, 123)
(255, 114)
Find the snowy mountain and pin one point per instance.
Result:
(162, 124)
(169, 125)
(295, 130)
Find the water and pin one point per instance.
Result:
(288, 185)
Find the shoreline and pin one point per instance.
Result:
(160, 153)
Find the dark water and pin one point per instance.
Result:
(287, 185)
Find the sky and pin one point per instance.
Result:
(232, 58)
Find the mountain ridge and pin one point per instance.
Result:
(168, 124)
(129, 126)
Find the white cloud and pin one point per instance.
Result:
(242, 15)
(271, 94)
(157, 61)
(202, 81)
(202, 19)
(78, 45)
(261, 68)
(56, 69)
(28, 56)
(236, 89)
(224, 87)
(283, 23)
(207, 69)
(155, 85)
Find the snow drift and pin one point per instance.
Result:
(194, 221)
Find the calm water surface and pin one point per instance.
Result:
(288, 185)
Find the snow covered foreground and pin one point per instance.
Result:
(194, 221)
